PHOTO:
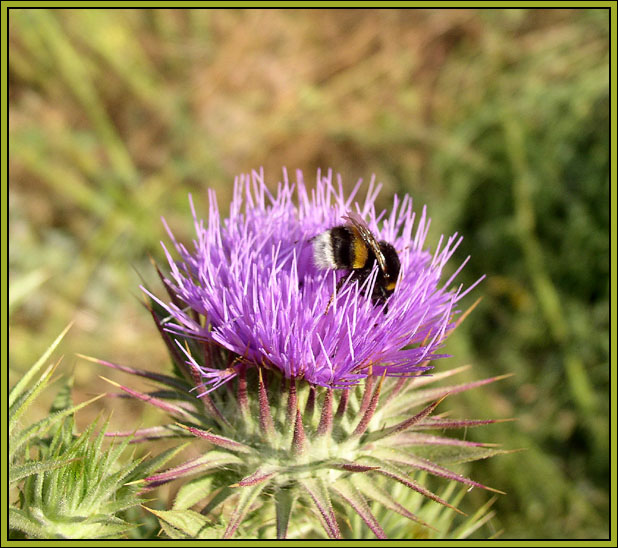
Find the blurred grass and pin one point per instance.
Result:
(497, 119)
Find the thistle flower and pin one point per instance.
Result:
(250, 285)
(322, 405)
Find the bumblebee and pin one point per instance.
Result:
(353, 247)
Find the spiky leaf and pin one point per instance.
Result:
(187, 524)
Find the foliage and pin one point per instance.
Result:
(69, 486)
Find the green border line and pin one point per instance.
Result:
(613, 272)
(323, 3)
(4, 276)
(612, 5)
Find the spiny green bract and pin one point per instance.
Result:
(83, 497)
(67, 486)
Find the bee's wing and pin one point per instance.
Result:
(359, 224)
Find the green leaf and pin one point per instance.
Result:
(114, 452)
(371, 489)
(171, 532)
(212, 459)
(17, 473)
(284, 501)
(19, 439)
(223, 494)
(19, 388)
(20, 521)
(147, 467)
(394, 472)
(475, 521)
(318, 494)
(106, 526)
(192, 492)
(63, 399)
(404, 425)
(348, 492)
(105, 489)
(444, 454)
(179, 524)
(247, 496)
(26, 399)
(408, 459)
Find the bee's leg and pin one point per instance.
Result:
(330, 301)
(385, 295)
(380, 296)
(332, 297)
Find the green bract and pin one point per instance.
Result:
(68, 486)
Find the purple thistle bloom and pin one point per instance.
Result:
(250, 284)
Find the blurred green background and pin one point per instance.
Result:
(498, 120)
